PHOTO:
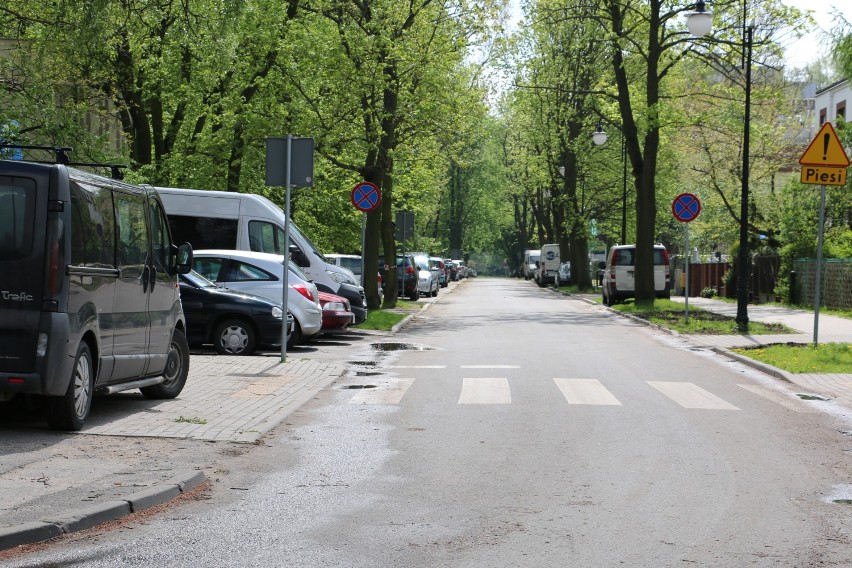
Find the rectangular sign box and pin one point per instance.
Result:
(823, 175)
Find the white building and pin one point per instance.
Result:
(830, 102)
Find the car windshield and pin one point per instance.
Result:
(197, 280)
(296, 230)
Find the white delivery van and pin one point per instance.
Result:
(531, 258)
(245, 221)
(548, 265)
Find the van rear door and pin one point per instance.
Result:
(23, 208)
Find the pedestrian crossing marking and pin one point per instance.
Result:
(586, 391)
(485, 391)
(793, 404)
(689, 395)
(490, 366)
(389, 391)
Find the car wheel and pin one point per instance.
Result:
(234, 337)
(414, 296)
(435, 290)
(69, 411)
(176, 371)
(296, 335)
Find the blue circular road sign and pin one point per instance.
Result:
(686, 207)
(366, 196)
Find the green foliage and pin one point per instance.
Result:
(825, 358)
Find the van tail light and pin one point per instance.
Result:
(303, 290)
(409, 270)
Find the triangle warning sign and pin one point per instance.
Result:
(825, 150)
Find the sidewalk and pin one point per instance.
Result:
(832, 329)
(53, 483)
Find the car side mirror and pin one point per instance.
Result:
(183, 258)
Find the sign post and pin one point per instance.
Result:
(824, 162)
(365, 197)
(685, 209)
(296, 168)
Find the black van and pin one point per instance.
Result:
(89, 297)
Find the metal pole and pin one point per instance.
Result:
(818, 279)
(686, 283)
(363, 246)
(286, 249)
(743, 262)
(623, 189)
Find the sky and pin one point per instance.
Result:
(814, 44)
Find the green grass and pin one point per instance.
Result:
(825, 358)
(384, 320)
(671, 315)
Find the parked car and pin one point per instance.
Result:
(336, 313)
(531, 259)
(427, 276)
(461, 269)
(235, 323)
(563, 275)
(620, 267)
(263, 274)
(353, 262)
(89, 303)
(405, 274)
(452, 269)
(443, 271)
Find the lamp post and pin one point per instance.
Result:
(599, 137)
(699, 24)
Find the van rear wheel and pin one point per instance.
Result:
(69, 412)
(176, 371)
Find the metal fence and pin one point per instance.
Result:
(835, 282)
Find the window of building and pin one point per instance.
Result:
(822, 115)
(841, 110)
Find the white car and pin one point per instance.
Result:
(262, 274)
(428, 281)
(619, 273)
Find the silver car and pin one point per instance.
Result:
(262, 274)
(428, 281)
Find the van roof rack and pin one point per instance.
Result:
(61, 157)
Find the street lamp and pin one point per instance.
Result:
(699, 24)
(599, 137)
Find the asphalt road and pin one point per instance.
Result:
(515, 427)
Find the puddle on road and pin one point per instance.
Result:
(367, 373)
(357, 387)
(812, 397)
(387, 347)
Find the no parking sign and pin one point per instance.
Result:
(366, 196)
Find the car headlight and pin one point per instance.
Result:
(334, 307)
(277, 312)
(341, 278)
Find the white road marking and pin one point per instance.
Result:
(389, 391)
(793, 404)
(485, 391)
(689, 395)
(586, 391)
(490, 366)
(416, 367)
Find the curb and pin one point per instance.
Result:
(88, 517)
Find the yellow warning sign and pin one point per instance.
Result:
(825, 150)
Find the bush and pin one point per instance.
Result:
(709, 293)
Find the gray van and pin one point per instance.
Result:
(89, 298)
